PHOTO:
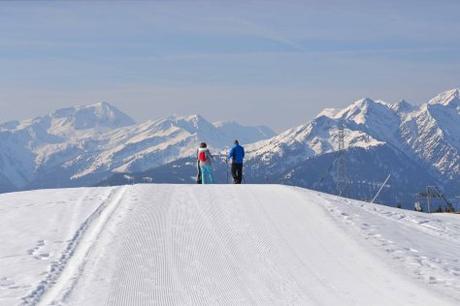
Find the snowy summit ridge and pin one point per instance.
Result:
(81, 145)
(87, 145)
(401, 139)
(448, 97)
(101, 114)
(83, 117)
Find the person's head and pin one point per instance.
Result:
(236, 142)
(203, 145)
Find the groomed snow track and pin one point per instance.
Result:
(246, 245)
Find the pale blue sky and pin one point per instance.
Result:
(276, 63)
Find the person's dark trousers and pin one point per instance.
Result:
(237, 173)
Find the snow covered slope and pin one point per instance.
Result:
(79, 146)
(30, 147)
(433, 133)
(221, 244)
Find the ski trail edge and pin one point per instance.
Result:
(63, 271)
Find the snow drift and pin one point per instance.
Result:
(221, 244)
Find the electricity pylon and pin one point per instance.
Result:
(341, 169)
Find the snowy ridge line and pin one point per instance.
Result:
(73, 256)
(84, 144)
(423, 264)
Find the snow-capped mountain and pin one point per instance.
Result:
(433, 133)
(417, 144)
(422, 141)
(244, 134)
(84, 144)
(28, 147)
(320, 136)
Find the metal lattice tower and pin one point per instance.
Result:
(341, 171)
(431, 193)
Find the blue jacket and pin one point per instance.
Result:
(236, 154)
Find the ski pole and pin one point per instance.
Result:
(226, 167)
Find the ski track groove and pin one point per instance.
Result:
(203, 227)
(57, 268)
(230, 252)
(320, 244)
(297, 257)
(265, 250)
(135, 247)
(176, 221)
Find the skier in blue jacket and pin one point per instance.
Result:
(236, 154)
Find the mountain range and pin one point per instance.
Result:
(82, 145)
(417, 145)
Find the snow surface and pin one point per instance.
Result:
(221, 244)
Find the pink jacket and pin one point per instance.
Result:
(208, 160)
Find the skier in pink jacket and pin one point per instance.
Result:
(204, 158)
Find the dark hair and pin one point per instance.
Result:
(203, 145)
(236, 141)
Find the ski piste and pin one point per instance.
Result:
(221, 244)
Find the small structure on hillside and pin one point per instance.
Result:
(432, 193)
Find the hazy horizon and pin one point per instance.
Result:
(258, 63)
